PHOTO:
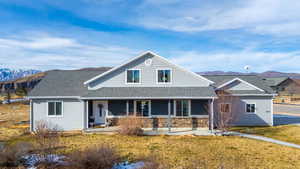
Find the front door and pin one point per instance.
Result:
(100, 109)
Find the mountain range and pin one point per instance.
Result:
(7, 74)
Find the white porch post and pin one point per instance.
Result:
(87, 113)
(211, 115)
(31, 116)
(169, 116)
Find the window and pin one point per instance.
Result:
(54, 108)
(164, 76)
(182, 107)
(133, 76)
(142, 107)
(250, 108)
(225, 107)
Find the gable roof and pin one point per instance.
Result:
(251, 79)
(275, 81)
(64, 83)
(142, 55)
(240, 80)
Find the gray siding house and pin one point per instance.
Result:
(151, 88)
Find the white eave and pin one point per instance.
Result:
(243, 81)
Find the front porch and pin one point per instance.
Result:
(154, 114)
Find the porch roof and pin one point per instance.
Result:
(152, 92)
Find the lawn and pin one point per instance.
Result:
(289, 133)
(11, 115)
(178, 152)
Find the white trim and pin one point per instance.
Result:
(141, 55)
(132, 83)
(149, 108)
(53, 97)
(87, 113)
(31, 115)
(272, 118)
(62, 108)
(171, 76)
(141, 98)
(235, 79)
(189, 108)
(250, 95)
(220, 107)
(250, 112)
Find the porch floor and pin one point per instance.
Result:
(159, 131)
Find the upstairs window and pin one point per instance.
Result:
(164, 76)
(250, 108)
(55, 108)
(133, 76)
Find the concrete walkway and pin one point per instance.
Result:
(262, 138)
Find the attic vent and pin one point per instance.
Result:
(148, 62)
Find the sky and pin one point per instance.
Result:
(200, 35)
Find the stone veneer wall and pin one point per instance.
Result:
(162, 122)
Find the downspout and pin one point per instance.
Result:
(31, 116)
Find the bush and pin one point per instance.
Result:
(96, 157)
(47, 137)
(11, 156)
(130, 126)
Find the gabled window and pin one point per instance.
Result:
(55, 108)
(133, 76)
(164, 75)
(250, 108)
(225, 108)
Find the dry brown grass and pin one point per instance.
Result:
(10, 116)
(186, 152)
(289, 133)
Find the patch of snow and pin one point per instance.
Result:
(126, 165)
(32, 159)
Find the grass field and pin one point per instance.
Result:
(177, 152)
(289, 133)
(10, 117)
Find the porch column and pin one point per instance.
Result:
(211, 124)
(86, 114)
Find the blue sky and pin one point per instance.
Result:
(201, 35)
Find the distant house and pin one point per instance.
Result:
(152, 88)
(284, 86)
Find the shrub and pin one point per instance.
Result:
(47, 137)
(11, 156)
(130, 126)
(95, 157)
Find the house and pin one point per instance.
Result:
(152, 88)
(283, 85)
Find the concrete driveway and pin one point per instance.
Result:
(286, 114)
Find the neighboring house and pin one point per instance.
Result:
(151, 87)
(284, 86)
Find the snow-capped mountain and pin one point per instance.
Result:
(7, 74)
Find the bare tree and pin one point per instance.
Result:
(47, 137)
(227, 110)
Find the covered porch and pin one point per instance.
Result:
(153, 113)
(156, 107)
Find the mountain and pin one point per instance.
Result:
(11, 74)
(263, 74)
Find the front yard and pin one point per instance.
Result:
(178, 152)
(288, 133)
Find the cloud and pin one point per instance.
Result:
(280, 17)
(51, 52)
(236, 60)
